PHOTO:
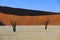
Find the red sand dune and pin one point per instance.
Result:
(30, 20)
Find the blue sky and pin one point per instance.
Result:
(44, 5)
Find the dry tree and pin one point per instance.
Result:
(13, 25)
(46, 24)
(2, 24)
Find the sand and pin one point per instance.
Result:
(30, 33)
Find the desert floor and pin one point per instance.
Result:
(30, 33)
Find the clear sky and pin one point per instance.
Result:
(45, 5)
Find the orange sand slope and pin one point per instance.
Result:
(30, 20)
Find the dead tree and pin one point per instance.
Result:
(2, 24)
(13, 25)
(46, 24)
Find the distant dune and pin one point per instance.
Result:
(39, 18)
(30, 20)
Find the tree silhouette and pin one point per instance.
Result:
(13, 25)
(46, 24)
(1, 24)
